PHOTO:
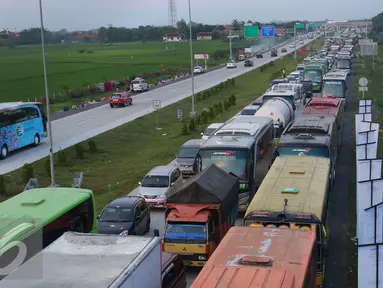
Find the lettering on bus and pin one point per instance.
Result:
(228, 155)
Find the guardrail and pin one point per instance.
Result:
(369, 198)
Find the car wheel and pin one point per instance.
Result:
(125, 104)
(36, 140)
(4, 152)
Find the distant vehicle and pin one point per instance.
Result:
(56, 209)
(156, 183)
(278, 81)
(139, 85)
(284, 50)
(210, 130)
(292, 45)
(187, 159)
(198, 70)
(301, 42)
(128, 213)
(120, 99)
(21, 125)
(274, 52)
(231, 64)
(259, 54)
(248, 63)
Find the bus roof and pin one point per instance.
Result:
(308, 175)
(41, 204)
(323, 106)
(244, 126)
(278, 93)
(336, 75)
(283, 257)
(13, 105)
(223, 142)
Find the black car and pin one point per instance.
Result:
(187, 159)
(259, 55)
(128, 213)
(248, 63)
(284, 50)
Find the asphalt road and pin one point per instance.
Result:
(76, 128)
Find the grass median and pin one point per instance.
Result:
(126, 153)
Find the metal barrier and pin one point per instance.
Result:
(78, 179)
(369, 199)
(32, 183)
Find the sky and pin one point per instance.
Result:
(91, 14)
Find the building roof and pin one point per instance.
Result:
(204, 34)
(175, 34)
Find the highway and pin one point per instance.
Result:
(79, 127)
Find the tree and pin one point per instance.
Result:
(377, 23)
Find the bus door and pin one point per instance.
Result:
(321, 253)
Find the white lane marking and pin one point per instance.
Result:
(84, 121)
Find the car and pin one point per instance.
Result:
(154, 187)
(301, 42)
(186, 158)
(249, 110)
(284, 50)
(248, 63)
(231, 64)
(259, 54)
(139, 85)
(120, 99)
(292, 45)
(127, 213)
(210, 130)
(198, 70)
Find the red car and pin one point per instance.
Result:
(120, 99)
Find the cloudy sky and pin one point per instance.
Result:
(90, 14)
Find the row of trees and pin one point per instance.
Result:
(142, 33)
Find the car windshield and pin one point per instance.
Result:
(248, 112)
(188, 152)
(185, 232)
(116, 96)
(155, 181)
(343, 63)
(333, 88)
(303, 151)
(209, 131)
(135, 82)
(231, 161)
(116, 214)
(313, 75)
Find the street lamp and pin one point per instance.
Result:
(191, 60)
(53, 180)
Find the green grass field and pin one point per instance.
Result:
(128, 152)
(21, 76)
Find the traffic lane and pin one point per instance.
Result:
(337, 267)
(73, 129)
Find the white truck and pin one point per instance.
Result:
(79, 260)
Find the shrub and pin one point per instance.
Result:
(63, 157)
(79, 151)
(3, 188)
(232, 99)
(47, 166)
(92, 146)
(204, 117)
(226, 105)
(216, 109)
(185, 129)
(27, 172)
(220, 108)
(211, 113)
(198, 120)
(192, 126)
(199, 97)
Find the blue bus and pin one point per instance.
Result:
(21, 124)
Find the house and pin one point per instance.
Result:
(204, 36)
(83, 37)
(172, 37)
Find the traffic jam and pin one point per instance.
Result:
(273, 164)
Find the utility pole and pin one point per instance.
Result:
(53, 178)
(191, 60)
(231, 51)
(295, 41)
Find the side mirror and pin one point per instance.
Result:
(139, 183)
(156, 233)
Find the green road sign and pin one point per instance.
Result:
(312, 25)
(251, 31)
(300, 26)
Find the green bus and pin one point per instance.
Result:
(315, 74)
(39, 216)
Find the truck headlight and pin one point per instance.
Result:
(201, 257)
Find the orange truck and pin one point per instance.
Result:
(261, 257)
(198, 214)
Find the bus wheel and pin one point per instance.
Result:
(36, 140)
(3, 152)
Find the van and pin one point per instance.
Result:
(139, 85)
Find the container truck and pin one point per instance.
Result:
(282, 113)
(198, 214)
(92, 260)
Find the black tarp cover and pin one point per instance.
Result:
(210, 186)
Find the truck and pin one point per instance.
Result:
(282, 113)
(92, 260)
(198, 214)
(274, 52)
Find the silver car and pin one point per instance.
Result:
(156, 183)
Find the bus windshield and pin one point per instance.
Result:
(334, 88)
(185, 232)
(343, 63)
(231, 161)
(303, 151)
(314, 75)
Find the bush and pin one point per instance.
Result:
(192, 126)
(204, 117)
(220, 108)
(79, 151)
(198, 120)
(226, 105)
(92, 147)
(199, 97)
(47, 166)
(216, 109)
(185, 129)
(27, 172)
(63, 157)
(211, 113)
(3, 188)
(232, 99)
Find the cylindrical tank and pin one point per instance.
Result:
(278, 109)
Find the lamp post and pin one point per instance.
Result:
(53, 179)
(192, 114)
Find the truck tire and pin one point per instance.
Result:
(3, 152)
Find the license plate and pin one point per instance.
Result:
(115, 101)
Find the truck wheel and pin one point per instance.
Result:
(4, 152)
(36, 140)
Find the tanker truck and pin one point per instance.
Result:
(282, 113)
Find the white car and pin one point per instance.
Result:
(139, 85)
(198, 70)
(292, 45)
(210, 130)
(231, 64)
